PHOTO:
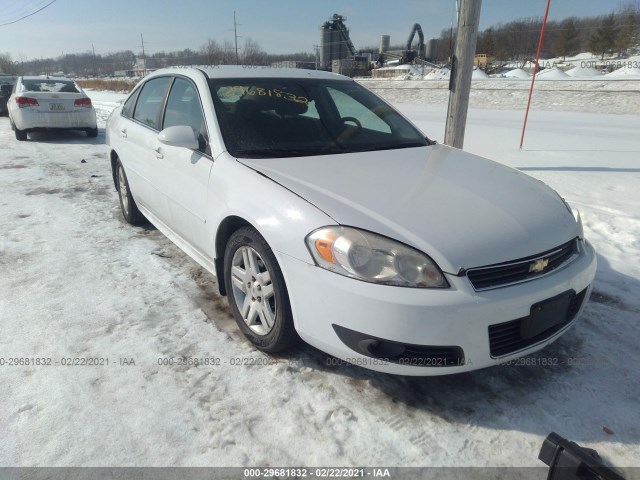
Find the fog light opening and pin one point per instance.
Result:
(381, 349)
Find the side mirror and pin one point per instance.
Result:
(179, 136)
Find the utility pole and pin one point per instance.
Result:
(94, 60)
(461, 71)
(235, 35)
(317, 49)
(144, 58)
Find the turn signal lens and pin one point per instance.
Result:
(324, 247)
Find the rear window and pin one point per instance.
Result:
(150, 99)
(48, 85)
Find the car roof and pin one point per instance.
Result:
(248, 71)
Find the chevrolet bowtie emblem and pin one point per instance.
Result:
(539, 265)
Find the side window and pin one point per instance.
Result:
(349, 107)
(150, 100)
(127, 108)
(183, 108)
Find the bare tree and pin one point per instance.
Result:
(228, 53)
(603, 40)
(629, 23)
(6, 64)
(567, 42)
(252, 54)
(212, 52)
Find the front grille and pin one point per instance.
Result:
(516, 271)
(576, 303)
(506, 338)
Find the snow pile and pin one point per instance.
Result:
(625, 72)
(570, 94)
(575, 60)
(552, 74)
(401, 72)
(517, 73)
(583, 72)
(479, 74)
(580, 56)
(440, 74)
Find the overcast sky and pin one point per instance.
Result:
(279, 26)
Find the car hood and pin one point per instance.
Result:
(462, 210)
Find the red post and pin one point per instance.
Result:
(535, 70)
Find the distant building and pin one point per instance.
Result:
(294, 64)
(138, 70)
(481, 60)
(356, 67)
(335, 43)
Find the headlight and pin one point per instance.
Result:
(373, 258)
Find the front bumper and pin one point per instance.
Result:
(325, 305)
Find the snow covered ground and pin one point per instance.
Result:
(591, 95)
(78, 282)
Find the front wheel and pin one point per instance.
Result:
(257, 292)
(92, 132)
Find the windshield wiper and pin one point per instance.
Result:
(391, 146)
(284, 152)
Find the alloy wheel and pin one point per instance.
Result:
(253, 290)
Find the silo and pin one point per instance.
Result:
(325, 45)
(336, 43)
(431, 53)
(385, 42)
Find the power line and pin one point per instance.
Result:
(28, 15)
(13, 10)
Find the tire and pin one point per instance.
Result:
(257, 293)
(92, 132)
(20, 134)
(128, 205)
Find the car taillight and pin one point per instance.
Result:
(82, 102)
(26, 102)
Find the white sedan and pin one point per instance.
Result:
(50, 103)
(326, 215)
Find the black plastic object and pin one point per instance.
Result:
(569, 461)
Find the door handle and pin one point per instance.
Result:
(158, 152)
(123, 133)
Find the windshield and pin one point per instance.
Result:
(264, 118)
